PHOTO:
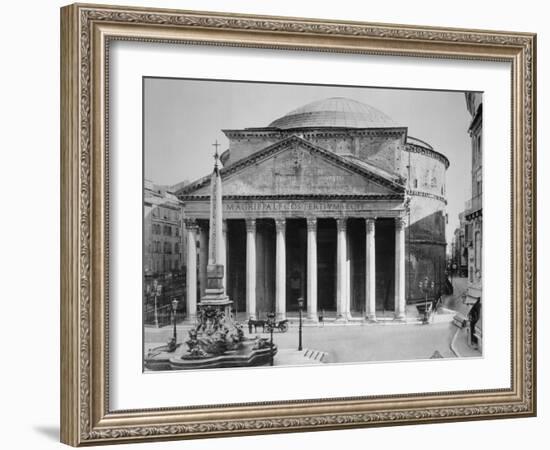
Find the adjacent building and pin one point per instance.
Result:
(162, 226)
(459, 251)
(163, 255)
(333, 202)
(473, 216)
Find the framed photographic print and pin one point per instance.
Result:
(276, 224)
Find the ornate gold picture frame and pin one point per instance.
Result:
(87, 32)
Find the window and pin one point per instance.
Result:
(416, 183)
(479, 149)
(468, 233)
(478, 250)
(176, 248)
(479, 184)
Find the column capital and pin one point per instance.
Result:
(190, 224)
(250, 225)
(311, 224)
(280, 224)
(400, 223)
(370, 222)
(204, 226)
(341, 224)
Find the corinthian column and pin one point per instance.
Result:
(342, 304)
(224, 255)
(203, 257)
(370, 275)
(312, 269)
(191, 275)
(400, 268)
(251, 268)
(280, 270)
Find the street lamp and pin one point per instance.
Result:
(300, 307)
(271, 325)
(157, 290)
(173, 343)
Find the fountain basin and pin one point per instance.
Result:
(244, 356)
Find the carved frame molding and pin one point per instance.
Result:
(86, 32)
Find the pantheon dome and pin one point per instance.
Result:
(335, 112)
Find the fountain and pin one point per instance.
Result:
(217, 340)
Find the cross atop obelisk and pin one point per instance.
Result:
(216, 156)
(215, 144)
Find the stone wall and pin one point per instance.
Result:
(425, 239)
(379, 147)
(426, 172)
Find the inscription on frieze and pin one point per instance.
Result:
(294, 206)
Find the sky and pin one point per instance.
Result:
(183, 118)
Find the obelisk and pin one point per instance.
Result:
(214, 292)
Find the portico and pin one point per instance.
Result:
(338, 265)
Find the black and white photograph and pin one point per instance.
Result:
(294, 224)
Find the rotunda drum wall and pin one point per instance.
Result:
(427, 174)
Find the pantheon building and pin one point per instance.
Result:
(332, 202)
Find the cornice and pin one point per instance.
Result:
(416, 193)
(316, 132)
(286, 197)
(415, 148)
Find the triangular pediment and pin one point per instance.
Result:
(294, 166)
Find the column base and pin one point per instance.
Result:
(280, 316)
(343, 318)
(400, 317)
(370, 319)
(313, 318)
(189, 320)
